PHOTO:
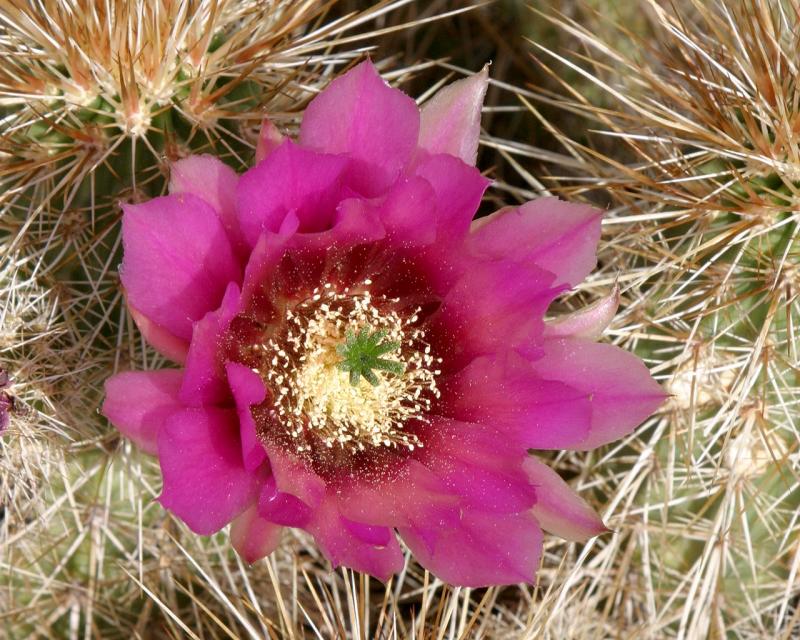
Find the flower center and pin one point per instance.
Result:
(349, 371)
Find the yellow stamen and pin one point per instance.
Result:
(314, 397)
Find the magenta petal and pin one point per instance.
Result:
(558, 508)
(505, 392)
(558, 236)
(414, 495)
(479, 464)
(619, 386)
(215, 182)
(138, 402)
(159, 338)
(495, 306)
(483, 550)
(360, 115)
(6, 401)
(253, 537)
(343, 548)
(177, 261)
(368, 533)
(352, 225)
(269, 139)
(408, 213)
(293, 476)
(261, 267)
(290, 179)
(282, 508)
(205, 482)
(287, 262)
(459, 188)
(451, 120)
(248, 390)
(204, 382)
(588, 322)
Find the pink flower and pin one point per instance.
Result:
(359, 359)
(7, 402)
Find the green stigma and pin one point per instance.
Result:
(362, 355)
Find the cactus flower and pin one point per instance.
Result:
(359, 359)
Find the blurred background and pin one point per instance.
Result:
(680, 118)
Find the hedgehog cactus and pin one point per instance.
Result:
(695, 137)
(702, 236)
